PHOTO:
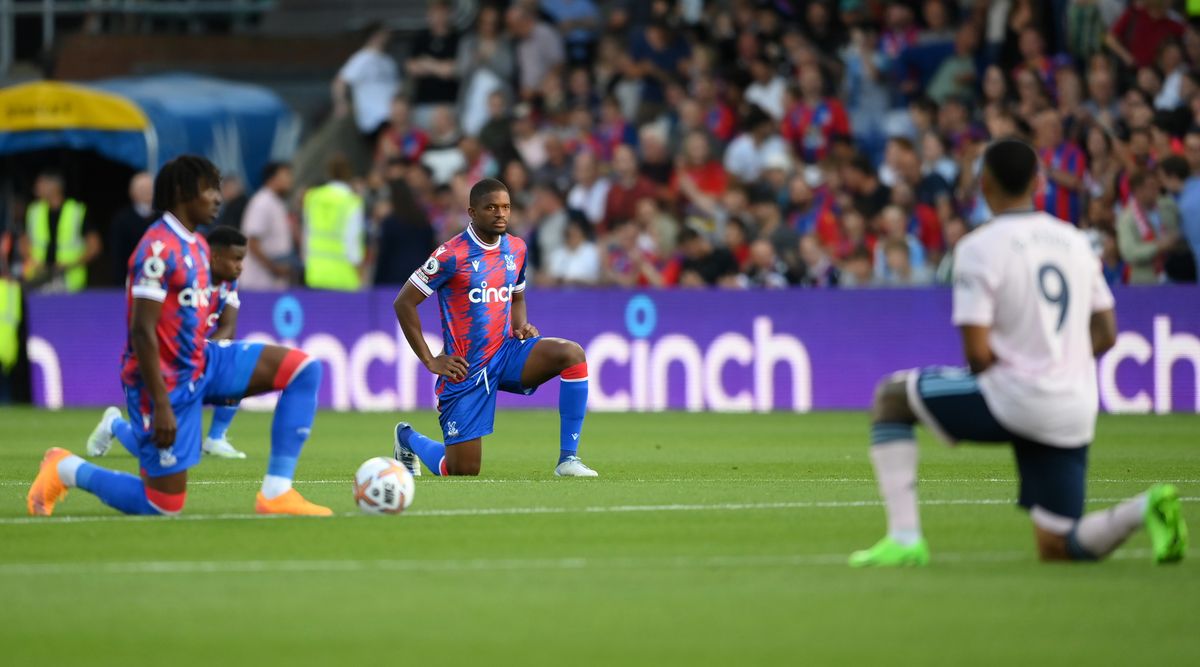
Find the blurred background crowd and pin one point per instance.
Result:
(684, 143)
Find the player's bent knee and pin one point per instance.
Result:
(168, 504)
(891, 401)
(298, 369)
(573, 354)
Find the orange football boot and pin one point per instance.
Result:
(47, 487)
(289, 503)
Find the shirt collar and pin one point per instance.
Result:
(478, 242)
(177, 227)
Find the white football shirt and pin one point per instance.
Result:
(1035, 281)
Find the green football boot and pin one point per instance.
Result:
(1164, 522)
(890, 553)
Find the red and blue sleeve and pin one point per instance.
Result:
(152, 271)
(435, 272)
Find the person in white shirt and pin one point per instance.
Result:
(577, 261)
(373, 79)
(590, 192)
(271, 257)
(1034, 311)
(747, 155)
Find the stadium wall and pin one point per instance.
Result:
(647, 351)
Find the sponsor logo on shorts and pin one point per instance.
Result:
(452, 429)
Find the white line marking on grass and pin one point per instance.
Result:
(523, 511)
(667, 480)
(489, 565)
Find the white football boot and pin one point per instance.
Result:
(100, 441)
(221, 449)
(403, 453)
(574, 467)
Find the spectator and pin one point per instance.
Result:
(718, 117)
(630, 260)
(656, 163)
(432, 63)
(577, 20)
(956, 76)
(485, 64)
(765, 269)
(1140, 29)
(698, 179)
(590, 192)
(129, 224)
(900, 269)
(1116, 271)
(405, 237)
(658, 58)
(737, 240)
(813, 119)
(1189, 206)
(540, 50)
(60, 239)
(556, 168)
(869, 195)
(813, 212)
(655, 226)
(746, 155)
(1148, 230)
(856, 270)
(549, 212)
(1102, 104)
(334, 228)
(767, 89)
(577, 261)
(628, 186)
(402, 139)
(1179, 265)
(818, 268)
(865, 87)
(702, 265)
(1085, 29)
(955, 229)
(373, 80)
(896, 270)
(1172, 65)
(516, 178)
(270, 249)
(1065, 167)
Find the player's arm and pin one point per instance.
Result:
(144, 338)
(405, 305)
(976, 348)
(521, 328)
(227, 325)
(1104, 331)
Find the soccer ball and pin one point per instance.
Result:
(383, 486)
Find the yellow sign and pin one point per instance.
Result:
(50, 105)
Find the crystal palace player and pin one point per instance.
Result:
(170, 369)
(490, 345)
(228, 247)
(1034, 311)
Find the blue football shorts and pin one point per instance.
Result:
(228, 366)
(467, 409)
(950, 403)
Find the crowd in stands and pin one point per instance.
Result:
(761, 144)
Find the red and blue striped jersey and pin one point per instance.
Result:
(223, 295)
(170, 265)
(811, 129)
(1053, 198)
(475, 283)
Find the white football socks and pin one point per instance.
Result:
(1100, 533)
(896, 470)
(68, 467)
(274, 486)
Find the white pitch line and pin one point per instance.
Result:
(666, 480)
(487, 565)
(525, 511)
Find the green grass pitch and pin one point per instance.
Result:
(709, 539)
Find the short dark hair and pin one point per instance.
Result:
(224, 236)
(272, 168)
(484, 188)
(862, 164)
(1139, 177)
(1176, 166)
(1013, 165)
(182, 179)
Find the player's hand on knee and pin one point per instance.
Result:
(164, 426)
(526, 331)
(450, 366)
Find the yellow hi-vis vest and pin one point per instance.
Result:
(10, 318)
(327, 211)
(69, 238)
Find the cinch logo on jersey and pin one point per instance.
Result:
(485, 294)
(194, 296)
